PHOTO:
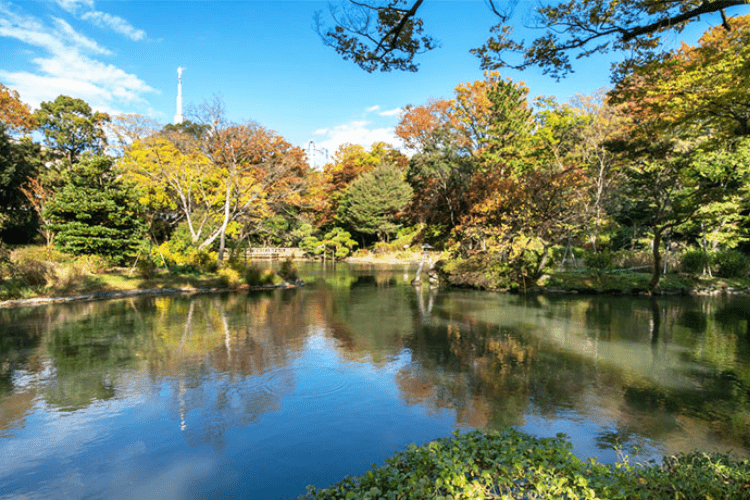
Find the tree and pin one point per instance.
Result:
(373, 201)
(19, 161)
(388, 34)
(124, 129)
(259, 170)
(663, 188)
(417, 123)
(683, 109)
(95, 212)
(696, 90)
(453, 140)
(178, 185)
(596, 122)
(71, 127)
(349, 162)
(439, 176)
(336, 241)
(14, 115)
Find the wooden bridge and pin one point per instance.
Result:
(273, 253)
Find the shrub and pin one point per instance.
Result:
(93, 264)
(255, 276)
(694, 261)
(33, 273)
(730, 263)
(146, 268)
(288, 271)
(185, 260)
(598, 261)
(512, 465)
(633, 259)
(229, 277)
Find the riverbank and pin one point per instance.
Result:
(123, 294)
(477, 274)
(120, 283)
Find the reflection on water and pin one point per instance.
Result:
(257, 395)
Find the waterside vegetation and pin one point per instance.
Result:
(510, 464)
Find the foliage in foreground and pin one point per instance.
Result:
(509, 464)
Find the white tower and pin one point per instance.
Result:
(178, 115)
(316, 157)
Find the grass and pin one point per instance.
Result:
(31, 272)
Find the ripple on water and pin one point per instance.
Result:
(305, 383)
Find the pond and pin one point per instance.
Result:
(256, 395)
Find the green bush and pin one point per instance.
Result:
(694, 261)
(598, 261)
(146, 268)
(288, 271)
(255, 276)
(730, 263)
(509, 464)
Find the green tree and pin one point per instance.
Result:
(373, 201)
(349, 162)
(439, 176)
(71, 127)
(683, 145)
(19, 160)
(95, 212)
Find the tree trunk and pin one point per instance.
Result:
(656, 276)
(225, 223)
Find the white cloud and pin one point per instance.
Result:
(102, 19)
(31, 31)
(372, 108)
(115, 23)
(356, 132)
(66, 65)
(390, 112)
(73, 5)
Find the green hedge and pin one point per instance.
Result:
(512, 465)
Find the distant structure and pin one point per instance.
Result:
(316, 157)
(178, 118)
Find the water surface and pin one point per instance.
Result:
(258, 395)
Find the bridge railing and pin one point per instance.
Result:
(273, 253)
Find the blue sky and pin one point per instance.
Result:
(264, 59)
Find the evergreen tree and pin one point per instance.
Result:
(373, 201)
(19, 160)
(71, 127)
(94, 212)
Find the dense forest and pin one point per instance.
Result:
(657, 167)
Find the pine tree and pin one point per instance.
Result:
(373, 201)
(95, 213)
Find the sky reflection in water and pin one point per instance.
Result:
(256, 396)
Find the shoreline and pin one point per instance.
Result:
(466, 281)
(125, 294)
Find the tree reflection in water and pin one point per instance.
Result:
(359, 355)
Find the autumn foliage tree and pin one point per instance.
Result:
(220, 184)
(15, 116)
(348, 163)
(681, 107)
